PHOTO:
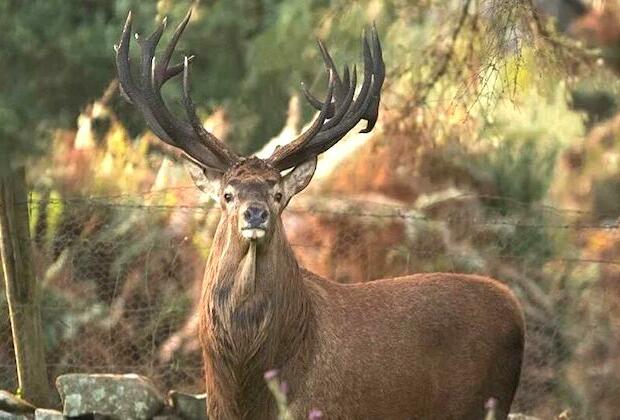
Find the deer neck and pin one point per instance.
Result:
(256, 315)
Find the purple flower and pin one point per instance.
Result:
(271, 374)
(315, 414)
(491, 404)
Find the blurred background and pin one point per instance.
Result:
(497, 152)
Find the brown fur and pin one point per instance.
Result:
(427, 346)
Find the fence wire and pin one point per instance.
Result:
(120, 281)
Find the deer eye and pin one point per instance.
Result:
(278, 197)
(228, 197)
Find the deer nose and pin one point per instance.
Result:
(255, 216)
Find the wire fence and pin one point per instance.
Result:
(120, 281)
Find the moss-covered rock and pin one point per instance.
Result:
(45, 414)
(10, 416)
(189, 406)
(122, 397)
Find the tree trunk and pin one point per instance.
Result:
(21, 287)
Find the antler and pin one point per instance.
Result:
(337, 118)
(201, 146)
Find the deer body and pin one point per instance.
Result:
(430, 361)
(428, 346)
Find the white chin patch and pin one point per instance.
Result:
(253, 233)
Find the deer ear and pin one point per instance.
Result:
(206, 179)
(299, 178)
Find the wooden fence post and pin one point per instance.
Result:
(21, 287)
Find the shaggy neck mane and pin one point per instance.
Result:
(255, 316)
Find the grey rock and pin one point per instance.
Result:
(167, 417)
(45, 414)
(10, 416)
(189, 406)
(122, 397)
(13, 404)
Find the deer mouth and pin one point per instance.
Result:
(253, 233)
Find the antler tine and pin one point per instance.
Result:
(368, 73)
(329, 64)
(379, 76)
(177, 69)
(346, 111)
(344, 105)
(187, 138)
(128, 87)
(339, 91)
(330, 135)
(192, 138)
(147, 48)
(316, 103)
(162, 71)
(331, 110)
(190, 110)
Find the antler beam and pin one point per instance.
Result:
(200, 146)
(339, 112)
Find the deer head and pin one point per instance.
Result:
(251, 191)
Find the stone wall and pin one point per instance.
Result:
(109, 397)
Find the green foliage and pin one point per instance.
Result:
(55, 56)
(519, 163)
(521, 169)
(512, 166)
(250, 58)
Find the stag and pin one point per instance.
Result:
(425, 346)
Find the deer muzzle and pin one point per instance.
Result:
(255, 221)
